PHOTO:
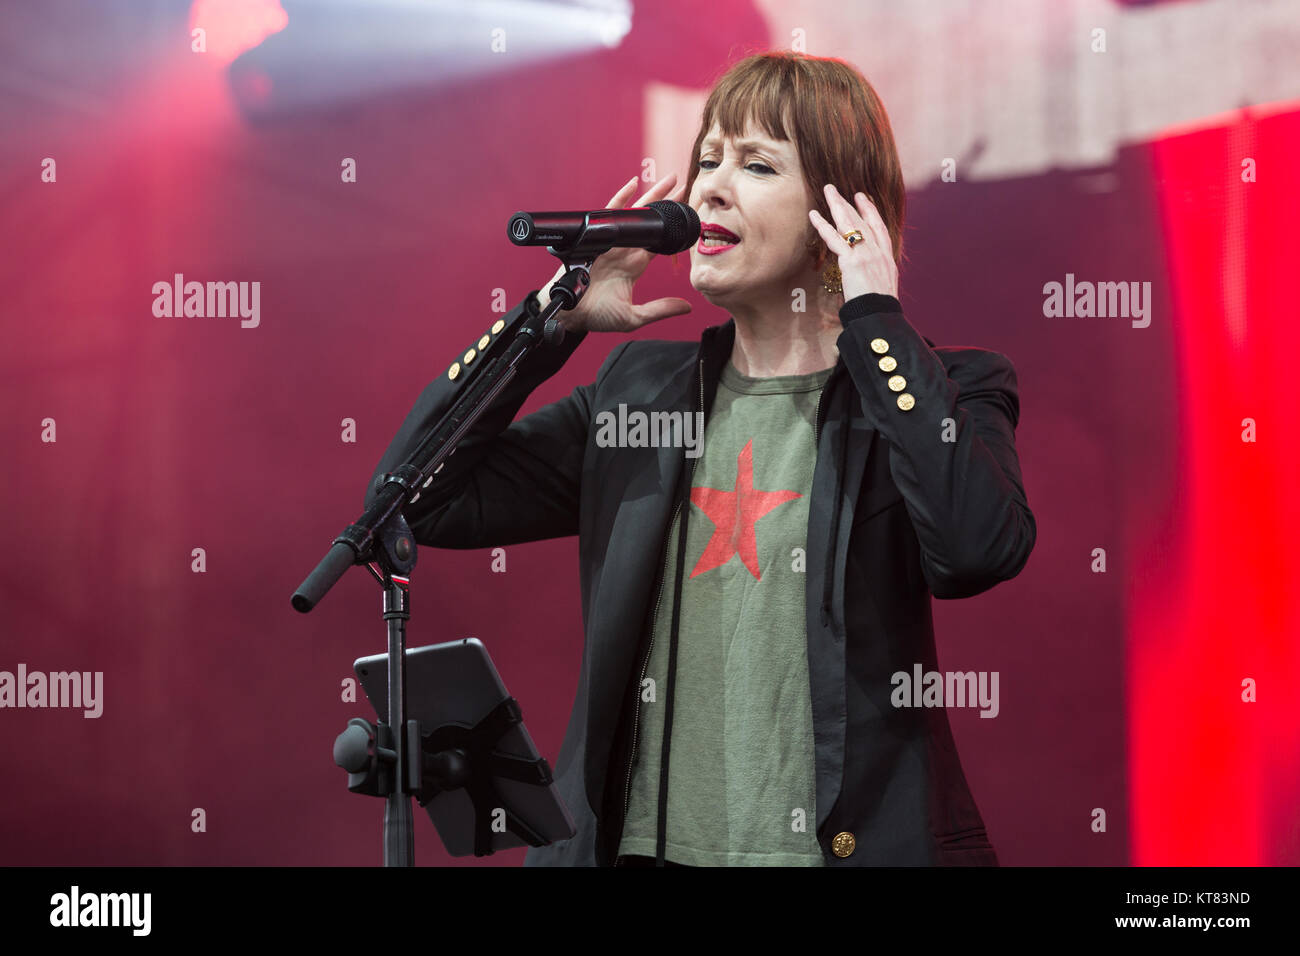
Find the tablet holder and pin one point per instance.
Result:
(382, 540)
(449, 757)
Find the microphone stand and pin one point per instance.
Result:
(382, 540)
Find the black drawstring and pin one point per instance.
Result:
(661, 823)
(829, 574)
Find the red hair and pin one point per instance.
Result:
(836, 120)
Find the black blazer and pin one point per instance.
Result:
(907, 503)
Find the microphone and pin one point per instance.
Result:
(662, 227)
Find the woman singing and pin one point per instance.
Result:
(750, 603)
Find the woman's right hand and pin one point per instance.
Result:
(607, 304)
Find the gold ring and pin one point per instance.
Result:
(853, 237)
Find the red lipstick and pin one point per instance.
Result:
(711, 230)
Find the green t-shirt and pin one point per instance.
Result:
(741, 787)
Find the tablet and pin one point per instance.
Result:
(457, 684)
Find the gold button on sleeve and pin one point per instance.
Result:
(453, 371)
(879, 346)
(843, 843)
(906, 401)
(896, 383)
(887, 363)
(469, 356)
(483, 342)
(497, 326)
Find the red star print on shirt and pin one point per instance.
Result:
(733, 514)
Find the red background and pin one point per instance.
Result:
(1118, 690)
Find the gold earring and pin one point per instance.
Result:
(831, 278)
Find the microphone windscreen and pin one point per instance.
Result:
(681, 227)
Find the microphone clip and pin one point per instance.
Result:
(567, 290)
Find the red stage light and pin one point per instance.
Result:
(233, 26)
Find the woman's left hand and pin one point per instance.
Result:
(866, 266)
